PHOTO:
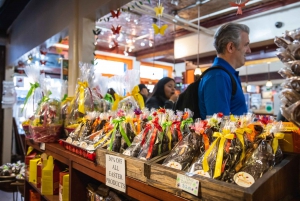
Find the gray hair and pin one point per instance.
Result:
(230, 32)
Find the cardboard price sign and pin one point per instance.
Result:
(115, 172)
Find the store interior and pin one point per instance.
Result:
(121, 35)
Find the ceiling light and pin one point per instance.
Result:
(142, 44)
(59, 45)
(136, 21)
(28, 61)
(150, 44)
(129, 49)
(95, 43)
(197, 71)
(269, 83)
(125, 53)
(110, 46)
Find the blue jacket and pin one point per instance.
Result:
(215, 89)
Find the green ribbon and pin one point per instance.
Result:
(30, 92)
(149, 118)
(166, 124)
(45, 98)
(117, 123)
(184, 122)
(109, 98)
(64, 98)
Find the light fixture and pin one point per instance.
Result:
(269, 83)
(174, 71)
(198, 71)
(142, 44)
(150, 44)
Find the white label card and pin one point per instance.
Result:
(115, 172)
(42, 146)
(187, 184)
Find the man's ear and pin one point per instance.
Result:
(230, 47)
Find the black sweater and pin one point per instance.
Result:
(159, 102)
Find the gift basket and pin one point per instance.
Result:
(47, 123)
(289, 54)
(33, 96)
(85, 99)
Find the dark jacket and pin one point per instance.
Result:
(159, 102)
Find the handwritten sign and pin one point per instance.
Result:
(115, 172)
(187, 184)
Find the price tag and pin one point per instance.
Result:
(42, 146)
(187, 184)
(115, 172)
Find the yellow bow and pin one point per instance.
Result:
(82, 86)
(275, 141)
(232, 118)
(117, 100)
(220, 137)
(138, 97)
(240, 135)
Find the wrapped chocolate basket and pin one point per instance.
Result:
(33, 96)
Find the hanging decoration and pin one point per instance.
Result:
(159, 30)
(123, 9)
(97, 31)
(116, 30)
(159, 12)
(115, 15)
(240, 5)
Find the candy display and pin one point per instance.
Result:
(289, 55)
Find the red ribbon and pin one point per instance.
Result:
(176, 124)
(153, 137)
(148, 127)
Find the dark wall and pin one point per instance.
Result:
(2, 77)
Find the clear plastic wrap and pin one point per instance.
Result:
(184, 152)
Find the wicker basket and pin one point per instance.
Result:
(26, 129)
(49, 133)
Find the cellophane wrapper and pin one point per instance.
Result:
(47, 124)
(184, 152)
(261, 160)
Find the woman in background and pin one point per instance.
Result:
(163, 95)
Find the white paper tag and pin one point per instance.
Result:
(243, 179)
(115, 172)
(187, 184)
(42, 146)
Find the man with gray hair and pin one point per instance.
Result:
(215, 91)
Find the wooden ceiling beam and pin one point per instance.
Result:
(154, 54)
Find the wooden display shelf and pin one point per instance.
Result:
(160, 182)
(46, 197)
(135, 167)
(275, 184)
(134, 188)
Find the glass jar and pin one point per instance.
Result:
(9, 94)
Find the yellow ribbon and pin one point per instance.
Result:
(82, 86)
(68, 99)
(220, 137)
(30, 149)
(240, 135)
(138, 97)
(232, 118)
(116, 103)
(275, 141)
(130, 121)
